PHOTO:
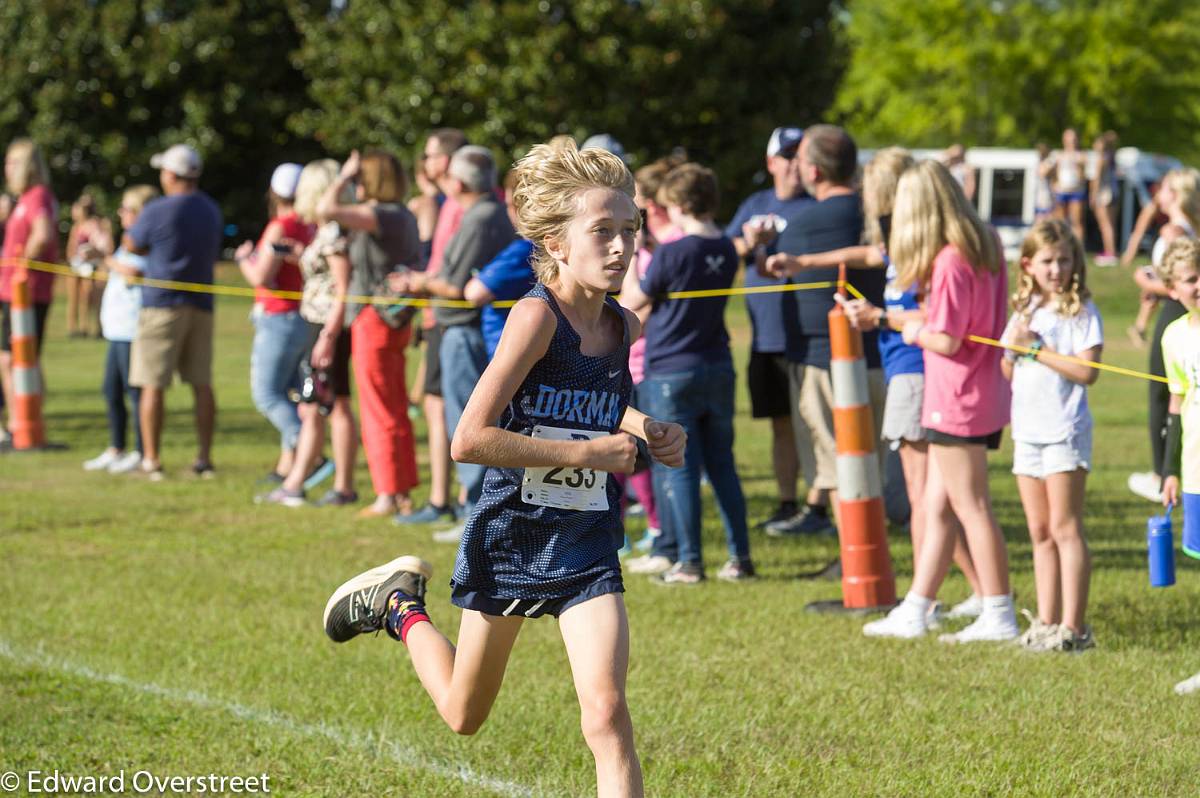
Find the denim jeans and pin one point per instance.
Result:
(463, 357)
(116, 388)
(701, 401)
(281, 340)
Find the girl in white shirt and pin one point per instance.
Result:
(1052, 426)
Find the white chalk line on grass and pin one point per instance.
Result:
(367, 742)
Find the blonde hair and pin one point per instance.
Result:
(550, 181)
(930, 212)
(880, 178)
(1185, 184)
(315, 177)
(136, 197)
(1183, 251)
(1052, 233)
(32, 169)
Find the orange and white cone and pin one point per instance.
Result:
(867, 579)
(25, 415)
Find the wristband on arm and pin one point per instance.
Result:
(1173, 451)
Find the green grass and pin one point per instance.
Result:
(175, 628)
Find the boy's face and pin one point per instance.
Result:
(600, 240)
(1186, 286)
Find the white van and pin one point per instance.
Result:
(1006, 188)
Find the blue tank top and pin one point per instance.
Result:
(514, 550)
(898, 357)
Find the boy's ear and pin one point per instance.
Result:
(555, 248)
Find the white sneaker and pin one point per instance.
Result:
(103, 460)
(648, 564)
(125, 463)
(997, 625)
(1039, 636)
(1146, 484)
(904, 621)
(972, 607)
(1188, 685)
(451, 535)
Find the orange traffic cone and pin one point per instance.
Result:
(25, 415)
(867, 579)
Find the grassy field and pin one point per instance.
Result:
(175, 628)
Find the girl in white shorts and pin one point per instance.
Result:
(1052, 426)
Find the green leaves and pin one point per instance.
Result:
(1012, 72)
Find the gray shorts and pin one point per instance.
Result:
(902, 409)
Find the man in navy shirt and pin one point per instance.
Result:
(180, 235)
(827, 162)
(767, 372)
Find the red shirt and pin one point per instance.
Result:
(449, 220)
(35, 202)
(287, 277)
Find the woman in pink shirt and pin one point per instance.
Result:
(29, 234)
(940, 245)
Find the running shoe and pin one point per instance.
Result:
(736, 571)
(203, 469)
(359, 606)
(102, 461)
(1146, 484)
(337, 498)
(805, 522)
(125, 463)
(283, 497)
(648, 564)
(429, 514)
(905, 621)
(322, 471)
(681, 574)
(970, 607)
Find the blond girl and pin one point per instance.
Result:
(940, 246)
(1052, 426)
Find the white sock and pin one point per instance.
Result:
(917, 602)
(1002, 603)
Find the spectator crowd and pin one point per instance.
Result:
(345, 240)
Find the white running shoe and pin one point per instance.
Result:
(103, 460)
(1146, 484)
(452, 535)
(971, 607)
(904, 621)
(1039, 636)
(125, 463)
(648, 564)
(1188, 685)
(997, 625)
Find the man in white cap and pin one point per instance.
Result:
(180, 235)
(758, 220)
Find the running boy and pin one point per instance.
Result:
(1180, 271)
(550, 416)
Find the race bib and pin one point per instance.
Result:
(566, 488)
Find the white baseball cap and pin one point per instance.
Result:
(284, 180)
(181, 160)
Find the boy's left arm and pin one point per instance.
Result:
(665, 440)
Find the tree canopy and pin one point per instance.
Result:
(1013, 72)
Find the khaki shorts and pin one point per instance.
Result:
(168, 340)
(812, 418)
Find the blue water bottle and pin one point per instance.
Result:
(1161, 545)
